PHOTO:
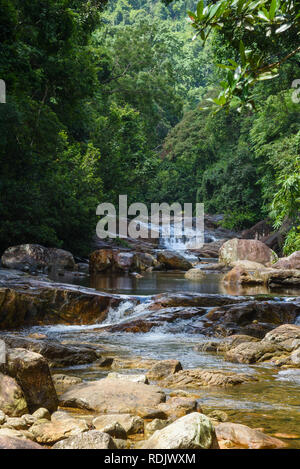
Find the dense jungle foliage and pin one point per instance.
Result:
(114, 97)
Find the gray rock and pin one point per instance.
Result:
(88, 440)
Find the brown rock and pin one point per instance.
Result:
(291, 262)
(164, 368)
(12, 400)
(51, 432)
(246, 249)
(7, 442)
(201, 377)
(247, 437)
(131, 423)
(173, 261)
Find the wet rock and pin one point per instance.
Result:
(89, 440)
(28, 301)
(194, 274)
(164, 368)
(133, 363)
(31, 371)
(12, 400)
(193, 431)
(291, 262)
(7, 442)
(224, 345)
(247, 437)
(112, 396)
(218, 415)
(253, 352)
(29, 257)
(173, 261)
(63, 382)
(272, 278)
(133, 378)
(143, 261)
(246, 249)
(198, 377)
(130, 423)
(51, 432)
(112, 428)
(170, 300)
(209, 250)
(57, 353)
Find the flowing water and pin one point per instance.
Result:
(272, 403)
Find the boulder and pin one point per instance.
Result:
(31, 257)
(51, 432)
(164, 368)
(193, 431)
(31, 371)
(194, 274)
(130, 423)
(88, 440)
(246, 437)
(291, 262)
(112, 396)
(198, 378)
(7, 442)
(173, 261)
(286, 336)
(246, 249)
(253, 352)
(12, 400)
(271, 277)
(143, 261)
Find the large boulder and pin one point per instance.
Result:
(112, 396)
(291, 262)
(31, 371)
(246, 437)
(12, 400)
(198, 377)
(171, 260)
(29, 257)
(88, 440)
(193, 431)
(246, 249)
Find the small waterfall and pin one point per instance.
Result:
(127, 309)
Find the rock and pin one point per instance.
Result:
(224, 345)
(57, 353)
(83, 267)
(16, 423)
(173, 261)
(12, 400)
(273, 278)
(259, 231)
(247, 437)
(150, 413)
(246, 249)
(209, 250)
(171, 300)
(42, 413)
(154, 425)
(12, 433)
(31, 257)
(29, 419)
(122, 444)
(164, 368)
(133, 378)
(194, 274)
(113, 260)
(193, 431)
(131, 423)
(143, 261)
(51, 432)
(286, 336)
(133, 363)
(179, 406)
(2, 416)
(113, 428)
(88, 440)
(7, 442)
(218, 415)
(201, 377)
(295, 357)
(291, 262)
(63, 382)
(253, 352)
(28, 301)
(112, 396)
(31, 372)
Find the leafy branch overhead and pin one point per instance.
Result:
(248, 20)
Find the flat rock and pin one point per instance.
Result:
(164, 368)
(247, 437)
(7, 442)
(112, 396)
(92, 439)
(51, 432)
(199, 377)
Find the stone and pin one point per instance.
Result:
(42, 413)
(194, 274)
(35, 257)
(150, 413)
(291, 262)
(12, 400)
(16, 423)
(112, 396)
(286, 336)
(199, 377)
(63, 382)
(7, 442)
(154, 425)
(178, 406)
(51, 432)
(113, 428)
(131, 423)
(295, 357)
(31, 371)
(92, 439)
(253, 352)
(13, 433)
(133, 378)
(247, 437)
(142, 261)
(29, 419)
(173, 261)
(218, 415)
(164, 368)
(2, 417)
(246, 249)
(193, 431)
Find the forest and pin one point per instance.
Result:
(115, 97)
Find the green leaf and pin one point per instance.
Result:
(242, 53)
(272, 10)
(200, 8)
